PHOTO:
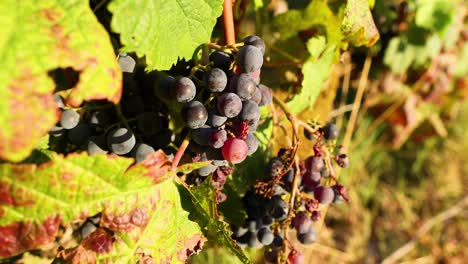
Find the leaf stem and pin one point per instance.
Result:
(183, 146)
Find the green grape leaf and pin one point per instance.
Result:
(51, 35)
(435, 15)
(217, 231)
(317, 14)
(358, 25)
(412, 49)
(315, 71)
(141, 204)
(164, 31)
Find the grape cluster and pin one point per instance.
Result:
(134, 128)
(268, 206)
(219, 103)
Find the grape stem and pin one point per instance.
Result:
(180, 151)
(118, 110)
(228, 21)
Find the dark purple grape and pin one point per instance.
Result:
(308, 237)
(184, 90)
(302, 222)
(255, 76)
(252, 143)
(267, 95)
(314, 163)
(278, 208)
(257, 96)
(127, 63)
(194, 114)
(217, 138)
(207, 170)
(255, 41)
(250, 112)
(310, 184)
(99, 119)
(251, 199)
(253, 240)
(69, 119)
(87, 228)
(271, 255)
(202, 135)
(97, 145)
(238, 231)
(249, 58)
(288, 179)
(278, 241)
(133, 105)
(215, 119)
(312, 176)
(164, 86)
(243, 85)
(57, 131)
(342, 160)
(79, 134)
(121, 141)
(309, 135)
(324, 194)
(59, 101)
(253, 225)
(278, 190)
(141, 151)
(160, 140)
(216, 80)
(331, 131)
(316, 215)
(275, 167)
(221, 60)
(265, 236)
(149, 123)
(229, 105)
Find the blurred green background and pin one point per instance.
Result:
(408, 140)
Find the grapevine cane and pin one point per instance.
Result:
(228, 21)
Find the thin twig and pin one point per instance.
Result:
(289, 116)
(284, 54)
(345, 89)
(357, 101)
(340, 111)
(439, 218)
(99, 5)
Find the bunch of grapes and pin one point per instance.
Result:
(134, 128)
(271, 209)
(219, 103)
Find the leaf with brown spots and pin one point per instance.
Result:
(51, 35)
(140, 205)
(358, 25)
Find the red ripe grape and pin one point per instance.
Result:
(295, 257)
(235, 150)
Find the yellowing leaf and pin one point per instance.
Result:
(358, 25)
(37, 37)
(145, 212)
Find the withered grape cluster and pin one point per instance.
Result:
(270, 210)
